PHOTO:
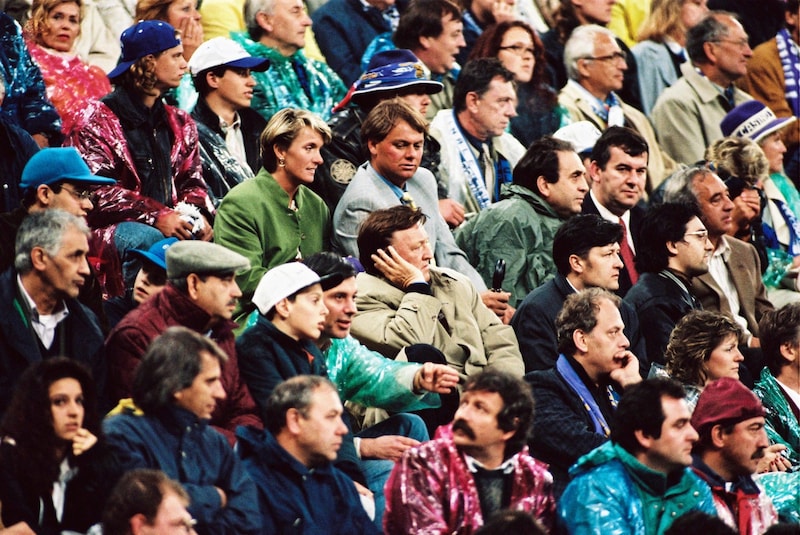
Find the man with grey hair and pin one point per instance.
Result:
(687, 114)
(596, 67)
(291, 462)
(276, 30)
(177, 386)
(41, 315)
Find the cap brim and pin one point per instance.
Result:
(774, 126)
(252, 63)
(149, 256)
(93, 180)
(120, 69)
(429, 87)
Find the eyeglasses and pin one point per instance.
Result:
(619, 55)
(82, 195)
(701, 235)
(519, 50)
(741, 43)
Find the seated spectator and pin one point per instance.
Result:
(145, 500)
(687, 114)
(71, 83)
(392, 179)
(595, 64)
(730, 421)
(177, 386)
(276, 30)
(391, 74)
(345, 28)
(475, 467)
(201, 295)
(433, 31)
(43, 318)
(676, 250)
(151, 279)
(274, 218)
(661, 49)
(25, 102)
(159, 190)
(54, 462)
(478, 155)
(521, 51)
(401, 293)
(548, 188)
(576, 399)
(770, 79)
(586, 255)
(640, 481)
(229, 130)
(703, 347)
(290, 462)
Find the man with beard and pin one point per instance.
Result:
(474, 467)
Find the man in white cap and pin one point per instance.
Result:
(228, 129)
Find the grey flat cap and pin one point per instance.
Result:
(194, 256)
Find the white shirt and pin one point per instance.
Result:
(44, 325)
(234, 140)
(608, 216)
(718, 269)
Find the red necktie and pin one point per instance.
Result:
(627, 255)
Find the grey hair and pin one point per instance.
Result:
(294, 393)
(679, 186)
(253, 8)
(43, 229)
(171, 364)
(711, 29)
(579, 313)
(581, 44)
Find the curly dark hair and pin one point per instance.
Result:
(29, 420)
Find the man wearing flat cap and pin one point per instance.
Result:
(201, 294)
(730, 421)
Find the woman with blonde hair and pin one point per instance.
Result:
(71, 84)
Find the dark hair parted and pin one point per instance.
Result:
(488, 46)
(517, 412)
(661, 224)
(579, 313)
(777, 328)
(327, 263)
(691, 342)
(423, 18)
(388, 114)
(641, 409)
(138, 492)
(710, 29)
(294, 393)
(284, 127)
(171, 363)
(376, 231)
(627, 140)
(579, 234)
(541, 159)
(29, 421)
(475, 77)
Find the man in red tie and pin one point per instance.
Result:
(618, 174)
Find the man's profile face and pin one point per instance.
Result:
(475, 422)
(217, 295)
(341, 304)
(65, 272)
(744, 447)
(321, 429)
(606, 344)
(492, 111)
(441, 51)
(601, 267)
(732, 51)
(715, 203)
(172, 518)
(397, 156)
(306, 314)
(287, 25)
(414, 247)
(206, 390)
(71, 198)
(607, 74)
(693, 250)
(673, 449)
(566, 195)
(234, 87)
(620, 186)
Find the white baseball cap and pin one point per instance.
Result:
(221, 51)
(286, 280)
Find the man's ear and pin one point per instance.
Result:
(576, 263)
(579, 339)
(137, 524)
(44, 195)
(718, 437)
(38, 258)
(212, 80)
(644, 440)
(471, 101)
(192, 284)
(790, 351)
(282, 308)
(264, 21)
(293, 418)
(544, 186)
(672, 248)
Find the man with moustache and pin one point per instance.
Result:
(730, 421)
(291, 462)
(474, 467)
(201, 294)
(640, 480)
(577, 398)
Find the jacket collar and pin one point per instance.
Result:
(744, 484)
(130, 111)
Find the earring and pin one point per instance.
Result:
(281, 162)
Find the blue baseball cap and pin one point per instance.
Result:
(52, 165)
(157, 253)
(142, 39)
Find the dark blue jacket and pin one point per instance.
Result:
(184, 447)
(535, 326)
(295, 499)
(19, 345)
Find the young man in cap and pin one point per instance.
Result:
(730, 421)
(229, 130)
(150, 148)
(201, 295)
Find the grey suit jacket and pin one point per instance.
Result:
(745, 269)
(368, 192)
